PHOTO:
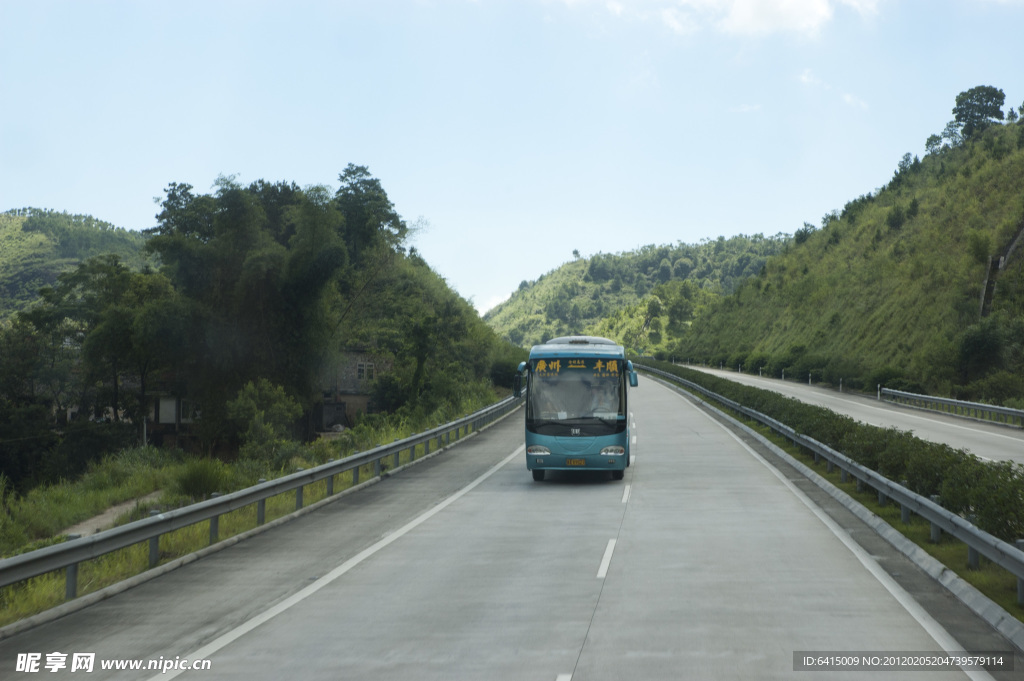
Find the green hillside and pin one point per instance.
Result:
(578, 296)
(36, 246)
(892, 289)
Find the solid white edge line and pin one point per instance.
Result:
(625, 494)
(241, 630)
(602, 571)
(932, 627)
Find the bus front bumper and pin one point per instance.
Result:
(608, 459)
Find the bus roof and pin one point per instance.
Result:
(576, 346)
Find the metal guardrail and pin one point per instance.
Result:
(69, 554)
(986, 412)
(978, 541)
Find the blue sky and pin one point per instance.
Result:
(510, 133)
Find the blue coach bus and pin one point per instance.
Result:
(576, 409)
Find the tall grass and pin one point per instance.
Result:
(36, 519)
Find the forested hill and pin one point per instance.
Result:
(577, 296)
(38, 245)
(896, 288)
(271, 304)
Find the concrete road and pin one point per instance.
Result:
(706, 562)
(989, 441)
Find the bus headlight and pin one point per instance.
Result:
(614, 451)
(537, 450)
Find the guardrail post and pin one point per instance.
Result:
(214, 524)
(355, 475)
(71, 575)
(905, 514)
(261, 507)
(844, 475)
(1020, 580)
(154, 544)
(936, 535)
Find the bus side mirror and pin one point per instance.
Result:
(517, 381)
(632, 379)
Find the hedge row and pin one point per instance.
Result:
(989, 493)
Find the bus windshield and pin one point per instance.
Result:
(583, 397)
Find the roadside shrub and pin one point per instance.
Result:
(199, 478)
(863, 447)
(758, 361)
(739, 359)
(996, 388)
(895, 454)
(849, 371)
(927, 467)
(997, 499)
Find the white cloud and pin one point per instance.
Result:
(738, 17)
(491, 303)
(808, 78)
(745, 108)
(853, 100)
(679, 21)
(863, 6)
(753, 17)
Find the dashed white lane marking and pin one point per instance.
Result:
(242, 629)
(563, 677)
(625, 494)
(602, 571)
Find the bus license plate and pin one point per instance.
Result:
(575, 462)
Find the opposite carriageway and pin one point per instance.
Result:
(711, 561)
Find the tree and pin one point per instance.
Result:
(977, 108)
(951, 133)
(264, 412)
(258, 269)
(370, 218)
(905, 164)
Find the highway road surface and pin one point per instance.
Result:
(706, 562)
(989, 441)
